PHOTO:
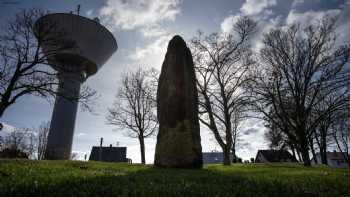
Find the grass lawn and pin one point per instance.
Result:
(73, 178)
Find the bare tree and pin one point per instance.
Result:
(299, 67)
(239, 115)
(16, 139)
(221, 64)
(42, 133)
(24, 66)
(20, 142)
(1, 138)
(322, 133)
(31, 145)
(341, 134)
(1, 142)
(135, 106)
(74, 156)
(277, 138)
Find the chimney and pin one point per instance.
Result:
(100, 153)
(97, 19)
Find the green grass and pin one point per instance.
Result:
(72, 178)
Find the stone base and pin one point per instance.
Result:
(184, 153)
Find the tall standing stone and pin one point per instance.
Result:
(178, 140)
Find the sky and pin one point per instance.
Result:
(143, 29)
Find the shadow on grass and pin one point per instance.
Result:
(167, 182)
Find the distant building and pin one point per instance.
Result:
(270, 156)
(109, 154)
(213, 157)
(334, 159)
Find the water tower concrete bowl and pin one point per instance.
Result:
(81, 46)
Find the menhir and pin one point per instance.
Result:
(178, 140)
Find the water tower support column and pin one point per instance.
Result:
(78, 47)
(60, 138)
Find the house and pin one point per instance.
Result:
(270, 156)
(109, 154)
(213, 157)
(334, 159)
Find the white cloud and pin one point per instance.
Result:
(133, 14)
(344, 25)
(228, 22)
(253, 7)
(265, 23)
(147, 17)
(256, 10)
(264, 27)
(307, 17)
(251, 142)
(152, 55)
(153, 31)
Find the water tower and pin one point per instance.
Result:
(90, 45)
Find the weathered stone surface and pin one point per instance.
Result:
(178, 140)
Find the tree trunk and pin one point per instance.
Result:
(142, 149)
(323, 153)
(311, 141)
(314, 158)
(2, 109)
(227, 158)
(298, 153)
(234, 159)
(323, 147)
(305, 154)
(293, 151)
(304, 144)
